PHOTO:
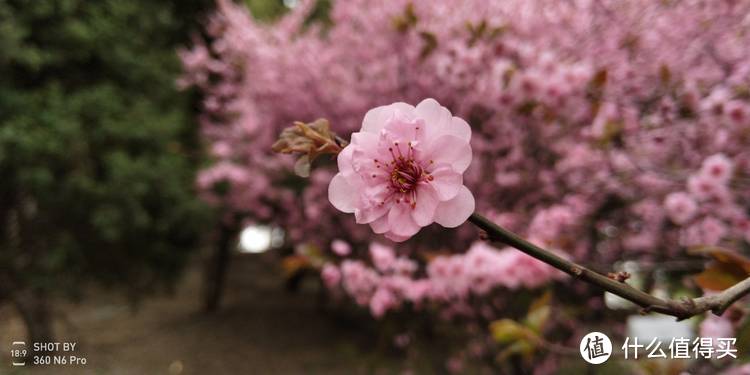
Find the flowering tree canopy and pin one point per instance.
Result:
(603, 130)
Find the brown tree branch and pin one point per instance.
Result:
(317, 138)
(681, 309)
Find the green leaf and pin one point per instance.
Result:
(539, 313)
(524, 348)
(507, 330)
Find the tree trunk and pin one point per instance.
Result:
(217, 268)
(34, 307)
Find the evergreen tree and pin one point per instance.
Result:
(97, 150)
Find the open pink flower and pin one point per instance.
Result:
(404, 170)
(680, 207)
(331, 275)
(717, 167)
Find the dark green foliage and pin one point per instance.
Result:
(270, 10)
(97, 146)
(266, 9)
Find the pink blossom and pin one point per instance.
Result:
(528, 271)
(680, 207)
(704, 187)
(341, 247)
(359, 281)
(550, 223)
(402, 340)
(713, 231)
(708, 231)
(403, 266)
(738, 113)
(544, 128)
(454, 365)
(404, 170)
(382, 301)
(484, 268)
(716, 327)
(330, 275)
(738, 370)
(382, 256)
(714, 102)
(742, 226)
(717, 167)
(417, 290)
(221, 150)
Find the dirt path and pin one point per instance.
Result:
(261, 330)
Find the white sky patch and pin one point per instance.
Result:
(255, 239)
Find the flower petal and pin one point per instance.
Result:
(344, 160)
(365, 140)
(451, 150)
(395, 237)
(347, 169)
(342, 195)
(366, 149)
(437, 118)
(400, 220)
(369, 212)
(380, 225)
(460, 129)
(375, 119)
(446, 182)
(403, 130)
(423, 212)
(454, 212)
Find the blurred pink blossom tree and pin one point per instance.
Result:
(604, 130)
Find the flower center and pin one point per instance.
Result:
(405, 175)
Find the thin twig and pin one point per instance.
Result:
(681, 309)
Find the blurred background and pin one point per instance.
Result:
(98, 155)
(144, 216)
(104, 240)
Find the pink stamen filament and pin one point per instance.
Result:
(406, 174)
